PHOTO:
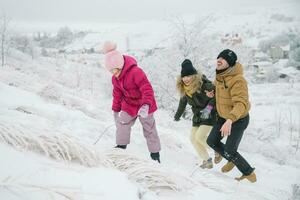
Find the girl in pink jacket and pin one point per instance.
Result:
(133, 98)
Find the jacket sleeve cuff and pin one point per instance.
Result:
(232, 117)
(116, 109)
(146, 102)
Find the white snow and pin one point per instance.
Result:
(25, 175)
(68, 97)
(269, 147)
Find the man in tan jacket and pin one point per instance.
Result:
(232, 102)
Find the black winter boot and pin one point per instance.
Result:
(155, 156)
(121, 146)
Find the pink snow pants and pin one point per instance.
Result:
(124, 122)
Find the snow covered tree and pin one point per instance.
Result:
(4, 37)
(25, 44)
(64, 36)
(279, 40)
(188, 40)
(47, 41)
(296, 54)
(20, 42)
(295, 48)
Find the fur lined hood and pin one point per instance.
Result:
(195, 85)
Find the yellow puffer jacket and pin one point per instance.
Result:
(232, 97)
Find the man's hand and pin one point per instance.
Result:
(226, 128)
(210, 94)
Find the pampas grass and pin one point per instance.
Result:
(60, 147)
(67, 148)
(148, 173)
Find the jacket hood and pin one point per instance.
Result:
(237, 69)
(129, 63)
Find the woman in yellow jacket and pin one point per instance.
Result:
(232, 102)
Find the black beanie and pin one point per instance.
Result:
(229, 56)
(187, 68)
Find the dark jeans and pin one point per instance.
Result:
(229, 149)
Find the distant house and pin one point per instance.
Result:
(51, 52)
(286, 51)
(236, 39)
(260, 62)
(288, 73)
(232, 39)
(279, 52)
(261, 67)
(261, 56)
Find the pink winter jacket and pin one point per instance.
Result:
(132, 89)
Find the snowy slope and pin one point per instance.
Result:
(25, 175)
(57, 131)
(28, 106)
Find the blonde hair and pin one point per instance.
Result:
(195, 84)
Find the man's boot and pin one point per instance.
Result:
(251, 177)
(218, 158)
(227, 167)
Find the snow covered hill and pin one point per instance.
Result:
(57, 130)
(57, 138)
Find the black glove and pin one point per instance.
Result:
(176, 119)
(155, 156)
(121, 146)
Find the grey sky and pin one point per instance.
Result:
(119, 10)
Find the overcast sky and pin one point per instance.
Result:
(120, 10)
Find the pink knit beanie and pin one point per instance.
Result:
(113, 58)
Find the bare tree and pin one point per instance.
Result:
(190, 38)
(4, 38)
(163, 65)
